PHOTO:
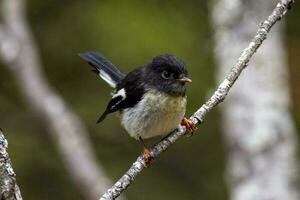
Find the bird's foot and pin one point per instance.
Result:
(148, 157)
(190, 126)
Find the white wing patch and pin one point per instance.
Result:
(107, 78)
(121, 93)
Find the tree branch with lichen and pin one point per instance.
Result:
(220, 94)
(9, 189)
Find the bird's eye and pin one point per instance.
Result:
(166, 75)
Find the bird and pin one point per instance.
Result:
(151, 99)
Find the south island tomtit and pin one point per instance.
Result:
(151, 99)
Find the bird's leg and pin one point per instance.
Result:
(190, 126)
(147, 155)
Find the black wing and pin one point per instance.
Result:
(114, 105)
(129, 92)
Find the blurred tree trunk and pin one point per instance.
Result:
(259, 132)
(20, 54)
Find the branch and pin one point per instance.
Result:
(220, 94)
(9, 189)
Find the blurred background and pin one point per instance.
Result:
(130, 33)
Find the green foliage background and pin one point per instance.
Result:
(129, 33)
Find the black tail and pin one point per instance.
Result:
(104, 68)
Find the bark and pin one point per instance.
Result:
(217, 98)
(259, 132)
(9, 189)
(20, 54)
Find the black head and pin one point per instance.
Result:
(168, 74)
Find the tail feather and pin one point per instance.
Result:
(104, 68)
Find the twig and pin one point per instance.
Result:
(9, 189)
(217, 98)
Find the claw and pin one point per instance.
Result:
(190, 126)
(148, 157)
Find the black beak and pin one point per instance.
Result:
(185, 80)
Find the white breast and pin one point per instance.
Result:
(156, 114)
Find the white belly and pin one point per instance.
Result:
(156, 114)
